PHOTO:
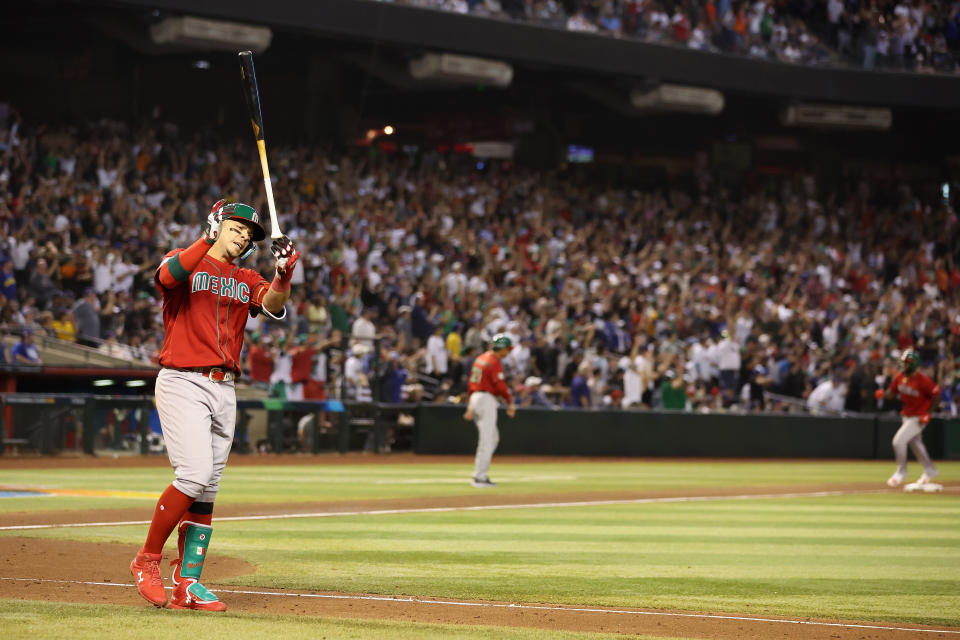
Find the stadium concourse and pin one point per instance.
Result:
(705, 294)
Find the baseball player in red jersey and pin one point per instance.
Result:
(207, 299)
(919, 395)
(485, 384)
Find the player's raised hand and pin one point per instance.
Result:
(211, 228)
(286, 254)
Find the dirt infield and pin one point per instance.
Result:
(68, 571)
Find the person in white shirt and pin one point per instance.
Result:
(20, 248)
(363, 331)
(517, 362)
(700, 361)
(281, 378)
(358, 385)
(829, 395)
(102, 263)
(728, 362)
(436, 359)
(637, 375)
(456, 281)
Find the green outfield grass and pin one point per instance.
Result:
(885, 556)
(340, 482)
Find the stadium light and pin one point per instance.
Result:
(102, 383)
(203, 33)
(825, 116)
(450, 67)
(136, 383)
(678, 97)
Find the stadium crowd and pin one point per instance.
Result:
(703, 295)
(913, 35)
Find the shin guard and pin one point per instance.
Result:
(192, 543)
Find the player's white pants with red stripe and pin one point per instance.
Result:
(911, 433)
(484, 407)
(198, 417)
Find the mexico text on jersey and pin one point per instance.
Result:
(204, 316)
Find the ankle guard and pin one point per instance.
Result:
(192, 542)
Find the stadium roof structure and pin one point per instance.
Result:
(547, 46)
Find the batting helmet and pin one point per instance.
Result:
(244, 213)
(909, 361)
(501, 341)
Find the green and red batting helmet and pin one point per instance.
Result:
(909, 361)
(244, 213)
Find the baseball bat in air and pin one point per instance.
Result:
(252, 94)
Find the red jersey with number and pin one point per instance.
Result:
(204, 316)
(916, 391)
(487, 375)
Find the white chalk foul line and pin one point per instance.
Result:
(529, 607)
(487, 507)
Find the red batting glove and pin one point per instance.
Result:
(878, 394)
(210, 229)
(925, 418)
(287, 255)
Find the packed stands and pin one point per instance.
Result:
(909, 35)
(704, 295)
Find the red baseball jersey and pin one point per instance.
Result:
(916, 392)
(261, 364)
(302, 364)
(204, 316)
(487, 375)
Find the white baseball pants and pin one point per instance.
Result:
(484, 406)
(911, 433)
(198, 417)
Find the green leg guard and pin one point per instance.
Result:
(192, 543)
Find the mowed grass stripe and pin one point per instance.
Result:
(888, 556)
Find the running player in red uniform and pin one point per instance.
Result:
(919, 395)
(485, 384)
(207, 299)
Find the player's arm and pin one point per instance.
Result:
(935, 394)
(176, 269)
(504, 391)
(285, 251)
(890, 392)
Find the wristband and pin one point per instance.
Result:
(281, 282)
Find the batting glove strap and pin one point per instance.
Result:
(286, 255)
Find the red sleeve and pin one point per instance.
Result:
(500, 382)
(896, 383)
(180, 263)
(257, 292)
(933, 389)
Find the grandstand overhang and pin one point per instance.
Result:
(542, 46)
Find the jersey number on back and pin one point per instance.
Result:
(476, 374)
